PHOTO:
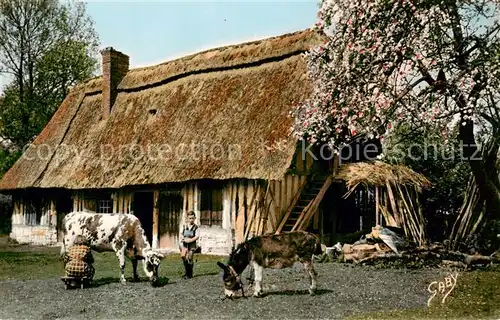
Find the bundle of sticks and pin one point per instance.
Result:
(380, 248)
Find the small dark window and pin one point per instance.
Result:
(211, 203)
(33, 210)
(105, 206)
(99, 202)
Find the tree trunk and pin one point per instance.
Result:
(485, 177)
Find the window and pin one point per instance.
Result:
(33, 210)
(99, 202)
(211, 203)
(104, 206)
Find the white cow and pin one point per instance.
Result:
(121, 233)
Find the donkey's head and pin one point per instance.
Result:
(238, 261)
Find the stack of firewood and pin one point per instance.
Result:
(383, 245)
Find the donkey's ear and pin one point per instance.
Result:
(222, 266)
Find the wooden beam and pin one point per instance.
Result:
(240, 220)
(395, 212)
(279, 200)
(75, 201)
(272, 199)
(234, 190)
(377, 219)
(251, 206)
(53, 214)
(308, 211)
(291, 206)
(115, 196)
(299, 163)
(302, 215)
(264, 210)
(335, 165)
(197, 202)
(226, 206)
(288, 192)
(185, 203)
(156, 217)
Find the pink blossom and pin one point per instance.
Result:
(352, 91)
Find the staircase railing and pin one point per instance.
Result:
(310, 209)
(292, 205)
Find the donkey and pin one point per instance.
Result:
(270, 251)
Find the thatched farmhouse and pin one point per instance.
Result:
(209, 132)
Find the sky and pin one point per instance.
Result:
(151, 32)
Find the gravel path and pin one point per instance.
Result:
(343, 290)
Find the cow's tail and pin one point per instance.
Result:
(63, 247)
(63, 244)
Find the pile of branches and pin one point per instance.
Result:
(383, 246)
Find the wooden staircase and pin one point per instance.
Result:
(304, 204)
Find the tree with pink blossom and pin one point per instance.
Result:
(414, 62)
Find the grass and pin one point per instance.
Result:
(22, 262)
(476, 296)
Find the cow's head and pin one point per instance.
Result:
(238, 261)
(152, 260)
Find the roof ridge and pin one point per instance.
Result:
(227, 47)
(211, 70)
(232, 57)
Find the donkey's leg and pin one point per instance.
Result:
(258, 270)
(311, 273)
(251, 275)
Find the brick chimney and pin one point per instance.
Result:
(114, 67)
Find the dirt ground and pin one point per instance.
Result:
(343, 291)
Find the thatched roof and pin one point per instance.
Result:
(230, 105)
(377, 174)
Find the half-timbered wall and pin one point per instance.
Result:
(34, 220)
(255, 207)
(249, 208)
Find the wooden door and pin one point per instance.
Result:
(171, 202)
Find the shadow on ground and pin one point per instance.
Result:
(104, 281)
(162, 281)
(206, 274)
(318, 292)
